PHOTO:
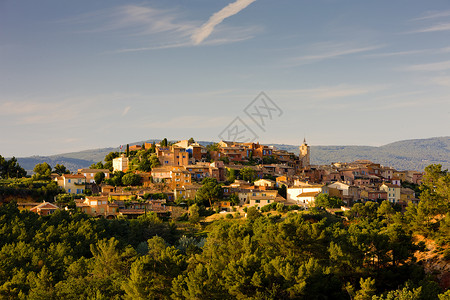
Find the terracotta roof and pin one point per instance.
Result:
(93, 170)
(391, 185)
(45, 206)
(73, 176)
(309, 194)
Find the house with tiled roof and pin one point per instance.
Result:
(90, 174)
(392, 190)
(72, 183)
(44, 209)
(303, 193)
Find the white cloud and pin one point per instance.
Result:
(439, 66)
(434, 28)
(330, 51)
(398, 53)
(328, 92)
(410, 52)
(442, 81)
(126, 110)
(164, 29)
(207, 28)
(434, 15)
(214, 42)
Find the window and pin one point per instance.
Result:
(68, 181)
(256, 201)
(69, 191)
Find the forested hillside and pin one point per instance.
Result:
(369, 254)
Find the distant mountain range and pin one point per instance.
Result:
(402, 155)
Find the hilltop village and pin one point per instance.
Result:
(227, 176)
(226, 220)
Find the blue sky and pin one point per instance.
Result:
(78, 75)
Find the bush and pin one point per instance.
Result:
(447, 254)
(253, 213)
(229, 216)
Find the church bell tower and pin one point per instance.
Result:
(304, 154)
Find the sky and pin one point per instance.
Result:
(77, 75)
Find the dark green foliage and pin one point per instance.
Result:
(99, 177)
(313, 255)
(210, 191)
(248, 174)
(10, 168)
(131, 179)
(231, 175)
(42, 171)
(163, 143)
(60, 169)
(28, 187)
(327, 201)
(98, 165)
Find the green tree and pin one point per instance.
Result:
(213, 147)
(231, 175)
(154, 161)
(60, 169)
(210, 191)
(163, 143)
(248, 174)
(367, 289)
(191, 140)
(145, 165)
(194, 214)
(42, 171)
(42, 285)
(234, 199)
(253, 213)
(131, 179)
(10, 168)
(327, 201)
(111, 155)
(282, 191)
(98, 165)
(99, 177)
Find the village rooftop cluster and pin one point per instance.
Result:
(276, 176)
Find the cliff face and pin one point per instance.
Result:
(433, 261)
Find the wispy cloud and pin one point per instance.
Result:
(434, 28)
(207, 28)
(68, 110)
(441, 81)
(328, 92)
(164, 29)
(438, 66)
(126, 110)
(410, 52)
(434, 15)
(214, 42)
(398, 53)
(331, 51)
